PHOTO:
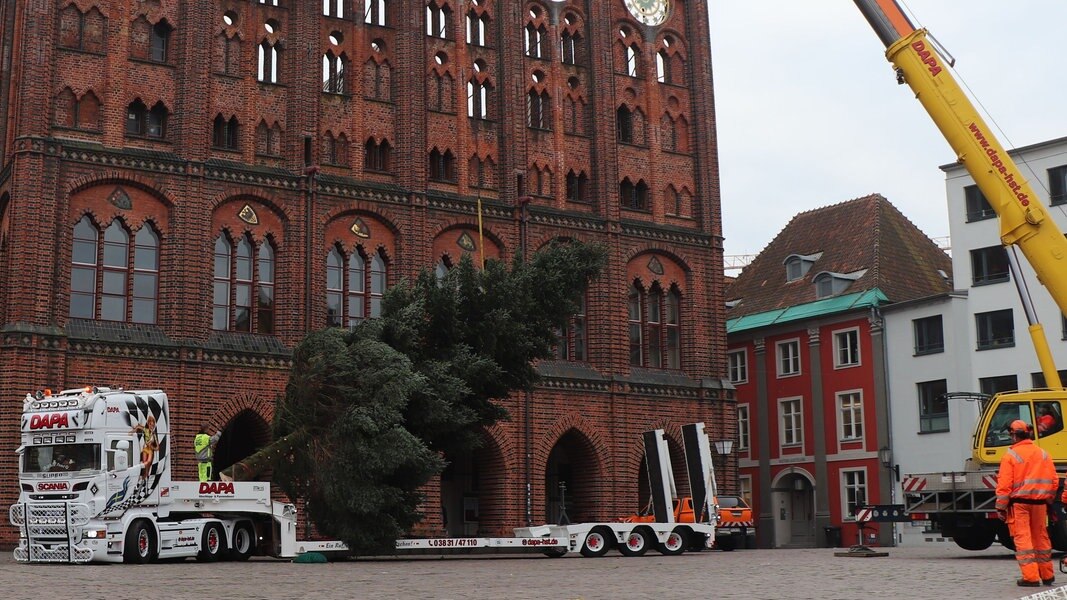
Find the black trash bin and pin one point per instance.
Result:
(833, 536)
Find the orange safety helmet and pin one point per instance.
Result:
(1019, 425)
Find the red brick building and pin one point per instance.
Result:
(189, 187)
(807, 357)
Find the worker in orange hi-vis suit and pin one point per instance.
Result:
(1026, 486)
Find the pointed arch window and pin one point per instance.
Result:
(442, 166)
(355, 285)
(571, 342)
(377, 156)
(268, 63)
(478, 99)
(333, 73)
(570, 48)
(142, 122)
(374, 12)
(655, 326)
(243, 286)
(104, 284)
(538, 110)
(477, 28)
(333, 8)
(632, 54)
(577, 186)
(225, 133)
(624, 125)
(634, 197)
(438, 20)
(533, 40)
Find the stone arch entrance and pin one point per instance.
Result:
(793, 502)
(573, 463)
(243, 435)
(473, 492)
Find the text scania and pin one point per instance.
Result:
(927, 57)
(52, 486)
(998, 165)
(49, 421)
(216, 487)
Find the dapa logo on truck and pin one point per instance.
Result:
(49, 421)
(216, 487)
(926, 57)
(53, 486)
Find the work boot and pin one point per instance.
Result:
(1049, 581)
(1025, 583)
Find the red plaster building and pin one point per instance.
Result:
(188, 187)
(806, 355)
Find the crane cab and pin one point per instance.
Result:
(1043, 410)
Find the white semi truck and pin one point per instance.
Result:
(95, 476)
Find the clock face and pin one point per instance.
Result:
(649, 12)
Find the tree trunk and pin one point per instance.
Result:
(252, 465)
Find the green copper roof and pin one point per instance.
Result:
(829, 306)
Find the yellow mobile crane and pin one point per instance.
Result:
(961, 504)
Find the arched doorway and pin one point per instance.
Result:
(793, 499)
(473, 492)
(246, 433)
(571, 477)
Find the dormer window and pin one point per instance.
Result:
(798, 265)
(830, 284)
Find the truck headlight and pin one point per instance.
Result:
(96, 533)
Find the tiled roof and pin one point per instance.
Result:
(866, 235)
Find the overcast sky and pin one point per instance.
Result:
(809, 113)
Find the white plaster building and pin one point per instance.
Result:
(985, 343)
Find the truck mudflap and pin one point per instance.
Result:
(51, 532)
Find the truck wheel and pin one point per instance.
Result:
(244, 542)
(596, 543)
(140, 545)
(1004, 536)
(675, 543)
(978, 537)
(637, 542)
(212, 543)
(697, 542)
(726, 544)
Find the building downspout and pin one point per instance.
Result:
(527, 421)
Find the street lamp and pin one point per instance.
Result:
(885, 455)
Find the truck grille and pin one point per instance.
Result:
(50, 531)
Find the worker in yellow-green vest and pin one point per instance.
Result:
(204, 445)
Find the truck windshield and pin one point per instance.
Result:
(60, 458)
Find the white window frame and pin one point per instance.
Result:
(744, 485)
(850, 404)
(841, 338)
(738, 360)
(792, 423)
(780, 357)
(743, 424)
(846, 486)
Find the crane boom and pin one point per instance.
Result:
(1024, 219)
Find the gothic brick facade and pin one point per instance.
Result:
(189, 187)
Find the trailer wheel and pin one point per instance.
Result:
(675, 543)
(697, 542)
(637, 542)
(1058, 534)
(596, 543)
(212, 543)
(977, 537)
(244, 542)
(140, 545)
(726, 543)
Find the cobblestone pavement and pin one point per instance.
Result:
(928, 573)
